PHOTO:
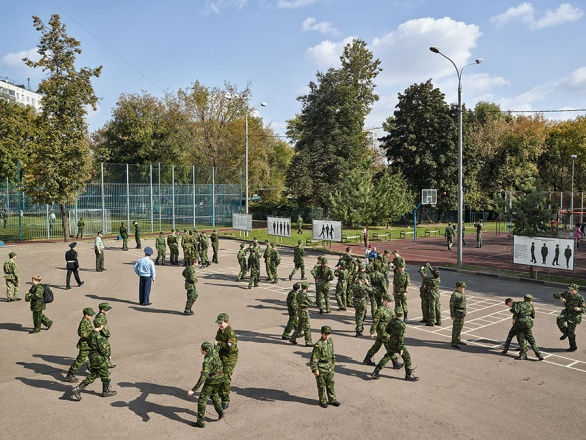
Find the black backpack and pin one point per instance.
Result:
(48, 295)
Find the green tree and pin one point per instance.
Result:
(531, 212)
(394, 196)
(17, 132)
(58, 164)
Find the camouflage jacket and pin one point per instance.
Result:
(101, 318)
(303, 300)
(292, 302)
(396, 331)
(160, 243)
(457, 305)
(190, 277)
(123, 232)
(361, 287)
(172, 241)
(227, 341)
(241, 256)
(100, 350)
(322, 355)
(298, 253)
(211, 370)
(401, 282)
(323, 274)
(275, 257)
(342, 275)
(83, 331)
(523, 314)
(214, 239)
(572, 301)
(36, 296)
(381, 318)
(11, 270)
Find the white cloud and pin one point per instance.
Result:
(293, 4)
(525, 12)
(15, 68)
(327, 53)
(578, 79)
(324, 27)
(217, 5)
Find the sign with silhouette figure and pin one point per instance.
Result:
(279, 226)
(550, 252)
(242, 222)
(327, 230)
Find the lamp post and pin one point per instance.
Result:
(460, 188)
(573, 156)
(262, 104)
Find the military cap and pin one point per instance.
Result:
(342, 263)
(242, 245)
(206, 346)
(12, 254)
(105, 306)
(161, 233)
(528, 297)
(573, 287)
(320, 258)
(222, 317)
(401, 263)
(148, 250)
(326, 329)
(398, 311)
(386, 252)
(88, 311)
(72, 245)
(99, 232)
(395, 252)
(299, 242)
(387, 297)
(460, 284)
(324, 260)
(305, 284)
(362, 265)
(214, 230)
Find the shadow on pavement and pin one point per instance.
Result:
(271, 395)
(149, 309)
(110, 299)
(12, 326)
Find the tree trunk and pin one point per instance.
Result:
(64, 222)
(532, 272)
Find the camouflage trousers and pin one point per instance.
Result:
(393, 350)
(98, 369)
(342, 294)
(450, 241)
(204, 256)
(12, 288)
(360, 306)
(478, 240)
(298, 265)
(325, 383)
(215, 253)
(187, 256)
(303, 326)
(424, 306)
(457, 326)
(322, 296)
(274, 274)
(373, 303)
(254, 276)
(174, 254)
(138, 241)
(191, 298)
(243, 270)
(209, 390)
(567, 325)
(291, 325)
(38, 319)
(269, 270)
(124, 243)
(401, 301)
(378, 343)
(162, 254)
(525, 335)
(224, 387)
(434, 313)
(81, 358)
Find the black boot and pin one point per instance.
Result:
(163, 262)
(405, 317)
(71, 378)
(573, 346)
(368, 361)
(106, 390)
(396, 364)
(409, 376)
(375, 374)
(77, 391)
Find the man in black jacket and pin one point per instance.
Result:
(72, 265)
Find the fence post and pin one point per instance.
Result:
(152, 208)
(127, 196)
(193, 189)
(240, 210)
(20, 202)
(103, 197)
(173, 192)
(160, 204)
(213, 197)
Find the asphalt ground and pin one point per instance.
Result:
(473, 393)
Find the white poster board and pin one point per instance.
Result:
(554, 253)
(279, 226)
(242, 222)
(327, 230)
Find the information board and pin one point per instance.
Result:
(242, 222)
(279, 226)
(327, 230)
(554, 253)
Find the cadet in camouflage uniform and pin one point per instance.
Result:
(449, 234)
(173, 243)
(397, 261)
(124, 236)
(478, 227)
(267, 257)
(292, 308)
(195, 245)
(457, 313)
(434, 313)
(36, 296)
(342, 285)
(99, 357)
(161, 246)
(12, 278)
(379, 325)
(190, 281)
(401, 282)
(137, 235)
(361, 289)
(227, 342)
(351, 267)
(396, 347)
(254, 265)
(186, 247)
(523, 316)
(299, 225)
(83, 331)
(80, 227)
(275, 261)
(101, 318)
(212, 379)
(571, 316)
(241, 256)
(322, 363)
(298, 254)
(203, 249)
(215, 239)
(377, 279)
(323, 275)
(424, 293)
(303, 323)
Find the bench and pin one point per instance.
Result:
(404, 234)
(430, 232)
(379, 237)
(345, 238)
(310, 241)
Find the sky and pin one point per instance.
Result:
(533, 56)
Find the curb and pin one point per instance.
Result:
(507, 277)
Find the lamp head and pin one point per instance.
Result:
(574, 156)
(263, 104)
(434, 49)
(479, 60)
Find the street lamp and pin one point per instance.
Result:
(573, 156)
(460, 190)
(262, 104)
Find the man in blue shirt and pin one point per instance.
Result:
(145, 269)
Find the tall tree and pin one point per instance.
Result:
(17, 131)
(58, 165)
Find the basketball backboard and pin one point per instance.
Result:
(429, 197)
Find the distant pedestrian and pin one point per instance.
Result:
(190, 282)
(124, 236)
(12, 278)
(99, 250)
(458, 313)
(36, 296)
(72, 266)
(478, 226)
(145, 269)
(577, 234)
(449, 234)
(137, 235)
(80, 227)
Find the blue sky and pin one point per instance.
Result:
(533, 51)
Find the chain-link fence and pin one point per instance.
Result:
(158, 197)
